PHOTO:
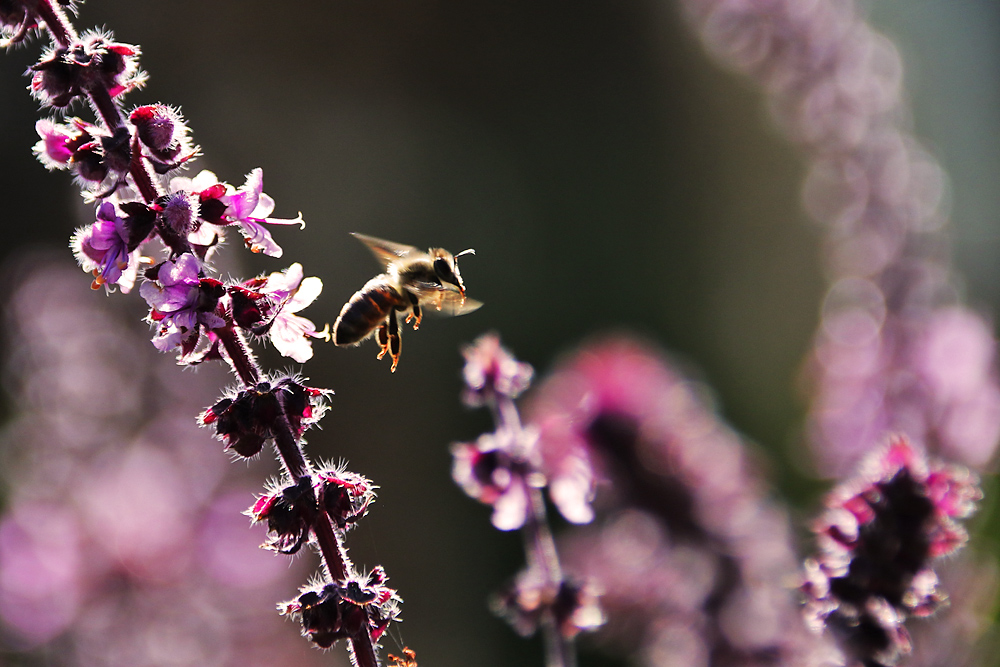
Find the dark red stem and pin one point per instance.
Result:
(55, 21)
(364, 651)
(139, 169)
(240, 356)
(329, 540)
(106, 108)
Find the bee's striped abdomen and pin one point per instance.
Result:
(366, 310)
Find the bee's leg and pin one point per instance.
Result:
(416, 315)
(394, 340)
(382, 336)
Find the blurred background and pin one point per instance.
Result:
(610, 177)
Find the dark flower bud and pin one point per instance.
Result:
(245, 421)
(211, 207)
(155, 126)
(177, 212)
(344, 496)
(163, 132)
(93, 62)
(251, 310)
(17, 19)
(341, 610)
(303, 405)
(88, 162)
(139, 222)
(290, 514)
(117, 151)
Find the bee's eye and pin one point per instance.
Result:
(444, 271)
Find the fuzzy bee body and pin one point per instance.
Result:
(412, 279)
(367, 309)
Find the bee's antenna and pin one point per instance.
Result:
(470, 251)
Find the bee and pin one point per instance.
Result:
(413, 280)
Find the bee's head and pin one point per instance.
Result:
(446, 268)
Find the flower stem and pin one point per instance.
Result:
(329, 539)
(106, 108)
(539, 546)
(139, 169)
(240, 357)
(55, 21)
(364, 650)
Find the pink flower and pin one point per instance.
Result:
(490, 370)
(249, 207)
(53, 150)
(290, 333)
(491, 472)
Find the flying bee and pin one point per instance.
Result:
(413, 280)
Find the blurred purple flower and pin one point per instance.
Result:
(691, 559)
(121, 543)
(504, 469)
(895, 352)
(879, 539)
(492, 472)
(491, 370)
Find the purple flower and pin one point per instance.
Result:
(181, 302)
(490, 370)
(249, 208)
(495, 471)
(879, 539)
(102, 248)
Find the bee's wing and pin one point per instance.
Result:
(449, 302)
(456, 306)
(386, 252)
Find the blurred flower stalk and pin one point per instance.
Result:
(897, 356)
(161, 233)
(505, 470)
(693, 561)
